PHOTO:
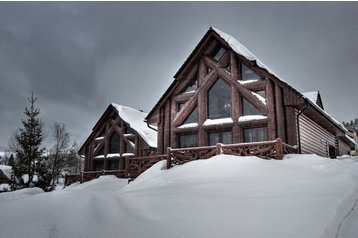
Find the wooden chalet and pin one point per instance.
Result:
(222, 100)
(224, 94)
(119, 133)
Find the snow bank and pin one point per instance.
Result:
(19, 194)
(226, 196)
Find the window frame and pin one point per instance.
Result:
(187, 134)
(221, 136)
(251, 128)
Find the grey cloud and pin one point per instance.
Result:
(78, 57)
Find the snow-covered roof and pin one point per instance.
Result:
(312, 96)
(242, 50)
(135, 119)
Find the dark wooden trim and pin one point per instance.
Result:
(280, 113)
(270, 102)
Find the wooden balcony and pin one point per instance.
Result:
(134, 166)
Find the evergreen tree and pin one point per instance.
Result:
(29, 165)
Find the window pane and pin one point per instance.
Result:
(100, 152)
(249, 109)
(193, 84)
(188, 140)
(129, 149)
(255, 134)
(261, 93)
(180, 106)
(113, 164)
(220, 137)
(98, 165)
(219, 54)
(193, 117)
(248, 74)
(114, 142)
(219, 100)
(226, 137)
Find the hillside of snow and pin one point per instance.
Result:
(225, 196)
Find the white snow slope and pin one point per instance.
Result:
(226, 196)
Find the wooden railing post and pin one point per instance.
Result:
(169, 158)
(126, 167)
(279, 154)
(218, 150)
(81, 176)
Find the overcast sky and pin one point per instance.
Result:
(79, 57)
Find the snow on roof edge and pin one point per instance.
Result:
(332, 119)
(135, 119)
(312, 96)
(239, 48)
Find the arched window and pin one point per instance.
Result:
(219, 100)
(114, 143)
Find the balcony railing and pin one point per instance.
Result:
(134, 166)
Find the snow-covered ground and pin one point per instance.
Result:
(226, 196)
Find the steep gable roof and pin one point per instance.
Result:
(135, 119)
(240, 49)
(314, 97)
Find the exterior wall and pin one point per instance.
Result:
(314, 138)
(279, 107)
(344, 148)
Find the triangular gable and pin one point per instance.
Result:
(134, 118)
(314, 97)
(241, 50)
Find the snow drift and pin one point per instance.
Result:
(225, 196)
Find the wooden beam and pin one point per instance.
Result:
(270, 102)
(202, 105)
(280, 114)
(235, 99)
(183, 97)
(173, 111)
(291, 125)
(184, 113)
(255, 86)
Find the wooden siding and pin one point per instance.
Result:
(343, 147)
(314, 138)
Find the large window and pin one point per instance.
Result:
(224, 137)
(255, 134)
(219, 100)
(114, 142)
(248, 74)
(188, 140)
(249, 109)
